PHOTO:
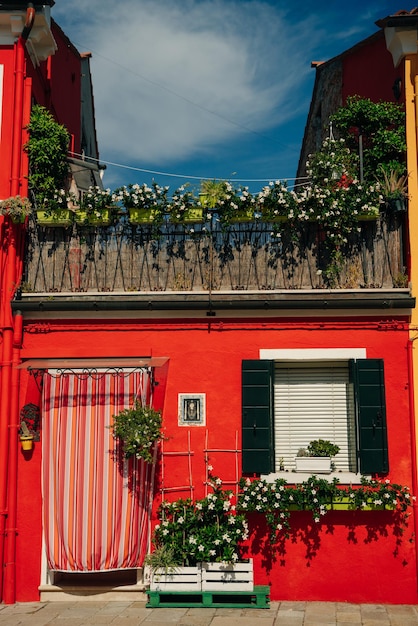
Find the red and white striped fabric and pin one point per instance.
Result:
(96, 503)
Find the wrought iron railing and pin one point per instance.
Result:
(253, 256)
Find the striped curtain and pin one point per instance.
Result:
(96, 504)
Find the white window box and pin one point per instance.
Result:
(313, 464)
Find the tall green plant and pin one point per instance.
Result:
(382, 126)
(47, 149)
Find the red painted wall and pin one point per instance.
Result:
(368, 71)
(57, 85)
(358, 558)
(7, 60)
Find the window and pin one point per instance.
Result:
(286, 405)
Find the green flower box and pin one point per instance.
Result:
(142, 216)
(242, 216)
(370, 216)
(94, 219)
(343, 504)
(270, 217)
(59, 217)
(191, 216)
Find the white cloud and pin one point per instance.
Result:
(160, 69)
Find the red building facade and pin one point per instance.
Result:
(206, 346)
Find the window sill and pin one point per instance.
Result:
(294, 478)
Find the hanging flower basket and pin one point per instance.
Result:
(138, 428)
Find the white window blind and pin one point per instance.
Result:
(312, 400)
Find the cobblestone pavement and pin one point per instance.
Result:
(280, 613)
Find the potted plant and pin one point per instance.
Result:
(26, 437)
(138, 428)
(317, 457)
(145, 204)
(17, 208)
(47, 150)
(236, 205)
(394, 189)
(29, 426)
(206, 536)
(184, 207)
(212, 192)
(276, 203)
(95, 206)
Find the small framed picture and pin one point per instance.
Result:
(192, 409)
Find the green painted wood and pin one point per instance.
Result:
(368, 378)
(257, 416)
(258, 598)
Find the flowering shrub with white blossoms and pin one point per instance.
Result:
(275, 200)
(202, 530)
(95, 200)
(143, 196)
(235, 201)
(277, 499)
(182, 201)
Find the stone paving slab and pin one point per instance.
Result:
(135, 613)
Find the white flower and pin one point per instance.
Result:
(201, 548)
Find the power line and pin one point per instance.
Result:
(185, 176)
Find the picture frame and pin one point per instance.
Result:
(192, 409)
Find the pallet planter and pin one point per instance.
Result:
(228, 576)
(180, 579)
(257, 598)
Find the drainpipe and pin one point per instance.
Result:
(9, 582)
(8, 467)
(414, 464)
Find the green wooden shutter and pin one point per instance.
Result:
(257, 417)
(368, 377)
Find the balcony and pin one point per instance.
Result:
(255, 256)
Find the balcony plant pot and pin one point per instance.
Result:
(243, 216)
(228, 576)
(193, 215)
(371, 216)
(26, 441)
(93, 219)
(275, 219)
(397, 205)
(142, 216)
(313, 464)
(59, 217)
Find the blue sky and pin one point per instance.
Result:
(193, 89)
